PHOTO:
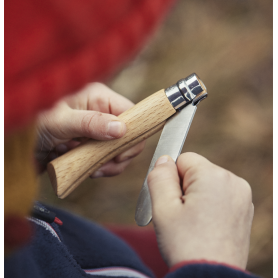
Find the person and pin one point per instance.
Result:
(211, 215)
(202, 227)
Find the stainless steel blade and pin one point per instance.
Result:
(170, 143)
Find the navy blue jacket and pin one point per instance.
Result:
(80, 248)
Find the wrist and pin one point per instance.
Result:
(213, 248)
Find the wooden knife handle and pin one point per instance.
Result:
(142, 120)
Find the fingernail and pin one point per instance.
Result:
(115, 129)
(97, 174)
(161, 160)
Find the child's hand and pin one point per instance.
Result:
(91, 113)
(211, 220)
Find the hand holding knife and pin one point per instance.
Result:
(142, 121)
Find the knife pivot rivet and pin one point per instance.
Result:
(187, 90)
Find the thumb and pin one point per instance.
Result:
(95, 125)
(164, 183)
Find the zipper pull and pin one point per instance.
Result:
(45, 215)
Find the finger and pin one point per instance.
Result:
(130, 153)
(99, 97)
(73, 144)
(46, 156)
(189, 160)
(190, 166)
(61, 149)
(110, 169)
(109, 101)
(164, 182)
(80, 139)
(92, 124)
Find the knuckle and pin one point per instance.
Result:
(193, 157)
(195, 172)
(193, 164)
(223, 174)
(188, 156)
(141, 146)
(199, 172)
(92, 123)
(99, 89)
(246, 189)
(97, 85)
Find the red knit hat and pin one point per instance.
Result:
(53, 48)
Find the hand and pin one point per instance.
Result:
(208, 217)
(91, 113)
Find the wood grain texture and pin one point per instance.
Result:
(142, 120)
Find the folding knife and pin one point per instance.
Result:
(184, 97)
(177, 103)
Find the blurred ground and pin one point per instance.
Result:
(229, 45)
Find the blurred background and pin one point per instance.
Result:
(229, 45)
